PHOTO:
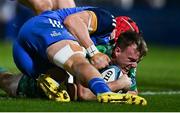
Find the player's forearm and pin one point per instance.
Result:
(78, 28)
(123, 83)
(115, 86)
(86, 94)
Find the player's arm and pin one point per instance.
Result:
(120, 84)
(133, 87)
(78, 24)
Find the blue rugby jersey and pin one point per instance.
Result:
(38, 33)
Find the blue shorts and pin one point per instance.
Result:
(35, 36)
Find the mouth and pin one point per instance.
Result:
(125, 69)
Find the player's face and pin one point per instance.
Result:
(128, 58)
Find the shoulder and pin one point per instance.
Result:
(105, 21)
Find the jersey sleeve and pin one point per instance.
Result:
(105, 22)
(106, 49)
(132, 75)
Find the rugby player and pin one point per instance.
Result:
(129, 50)
(62, 63)
(124, 83)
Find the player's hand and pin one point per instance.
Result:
(100, 60)
(132, 92)
(125, 82)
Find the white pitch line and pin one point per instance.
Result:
(160, 93)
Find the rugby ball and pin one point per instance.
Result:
(111, 73)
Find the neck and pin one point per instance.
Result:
(113, 61)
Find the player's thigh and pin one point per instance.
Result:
(62, 52)
(54, 48)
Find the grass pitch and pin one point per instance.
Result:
(159, 71)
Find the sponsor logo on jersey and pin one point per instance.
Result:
(55, 34)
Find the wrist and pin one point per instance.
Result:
(92, 50)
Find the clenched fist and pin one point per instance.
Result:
(125, 82)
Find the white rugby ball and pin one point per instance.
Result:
(111, 73)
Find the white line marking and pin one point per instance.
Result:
(160, 93)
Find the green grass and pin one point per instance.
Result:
(159, 71)
(155, 104)
(6, 59)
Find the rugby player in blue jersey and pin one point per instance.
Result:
(47, 36)
(40, 6)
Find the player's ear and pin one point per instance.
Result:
(117, 51)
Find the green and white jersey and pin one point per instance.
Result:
(132, 75)
(106, 49)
